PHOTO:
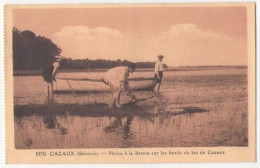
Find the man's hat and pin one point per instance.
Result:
(160, 56)
(131, 65)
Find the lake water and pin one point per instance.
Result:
(194, 108)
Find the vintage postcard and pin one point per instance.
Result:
(130, 83)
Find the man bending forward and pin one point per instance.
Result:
(117, 79)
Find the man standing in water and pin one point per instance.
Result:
(49, 73)
(158, 69)
(117, 79)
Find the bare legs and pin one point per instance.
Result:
(117, 94)
(50, 91)
(157, 87)
(116, 100)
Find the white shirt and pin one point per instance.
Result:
(158, 66)
(116, 75)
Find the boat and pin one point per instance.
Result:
(72, 85)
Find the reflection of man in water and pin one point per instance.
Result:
(117, 79)
(117, 123)
(50, 121)
(158, 69)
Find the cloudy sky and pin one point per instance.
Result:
(185, 35)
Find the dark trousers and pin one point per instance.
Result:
(156, 77)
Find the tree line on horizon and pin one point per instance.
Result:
(102, 64)
(31, 52)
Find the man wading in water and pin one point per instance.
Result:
(117, 79)
(158, 69)
(49, 72)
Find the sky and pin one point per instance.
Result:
(186, 36)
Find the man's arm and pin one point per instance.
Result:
(56, 65)
(156, 70)
(124, 84)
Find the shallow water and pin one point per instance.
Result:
(194, 108)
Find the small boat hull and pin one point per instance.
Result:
(80, 85)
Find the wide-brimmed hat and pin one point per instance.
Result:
(160, 56)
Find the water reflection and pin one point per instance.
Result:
(97, 125)
(50, 121)
(117, 124)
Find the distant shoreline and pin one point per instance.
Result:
(180, 68)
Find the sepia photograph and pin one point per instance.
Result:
(131, 77)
